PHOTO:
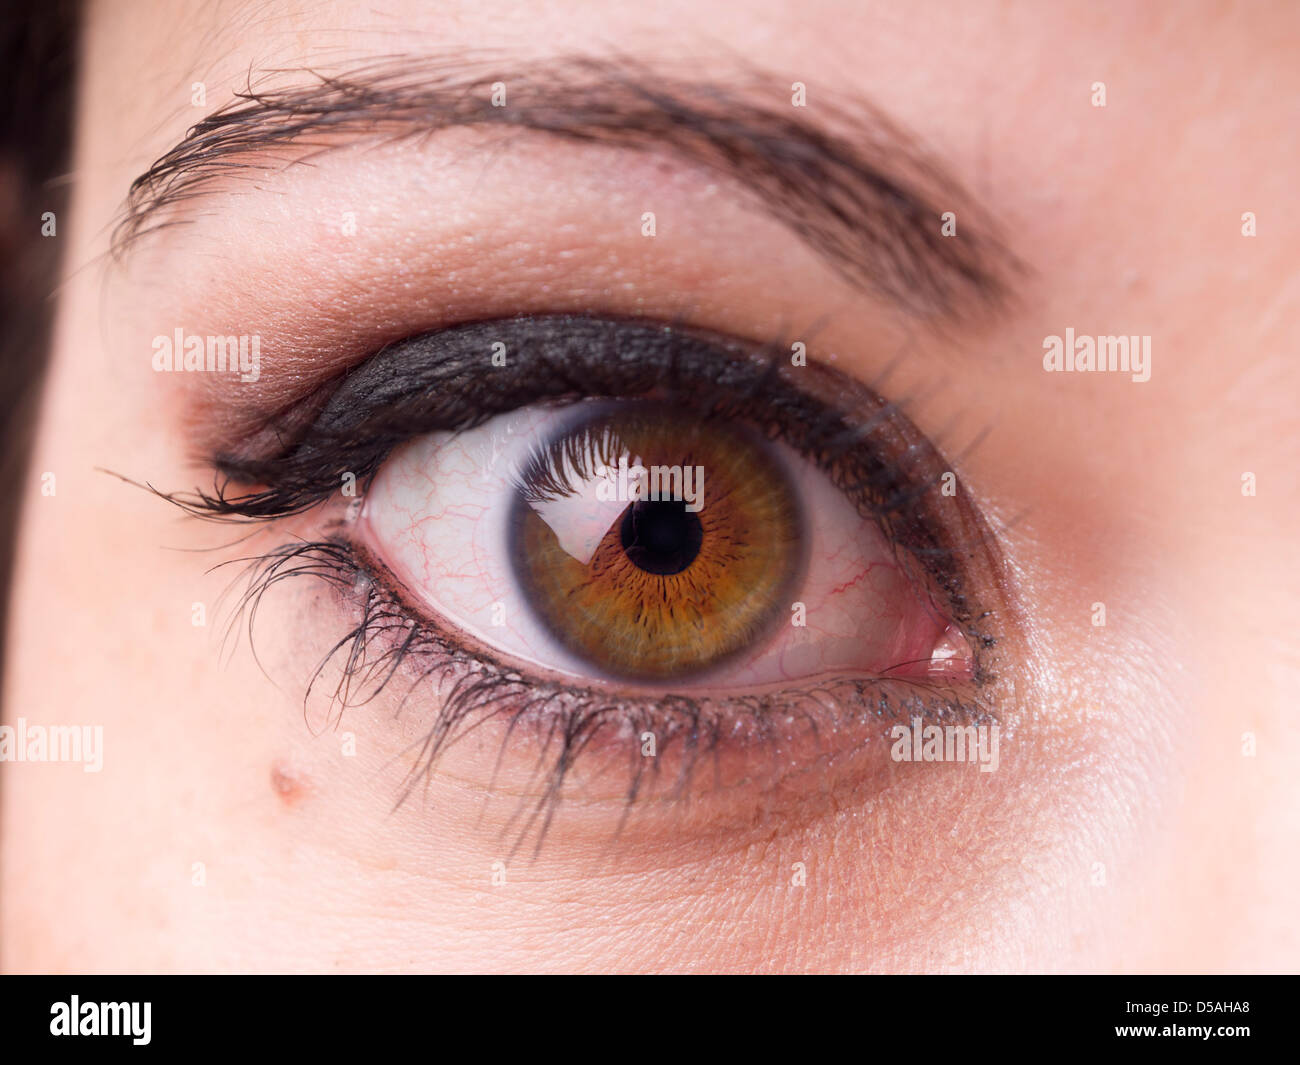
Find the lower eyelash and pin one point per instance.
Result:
(388, 640)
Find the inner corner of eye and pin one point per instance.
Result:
(633, 541)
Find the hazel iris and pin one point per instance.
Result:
(655, 545)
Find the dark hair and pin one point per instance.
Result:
(38, 63)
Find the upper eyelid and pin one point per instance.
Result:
(850, 184)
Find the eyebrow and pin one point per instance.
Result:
(839, 174)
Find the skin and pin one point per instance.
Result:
(1125, 830)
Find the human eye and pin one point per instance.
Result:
(609, 535)
(682, 534)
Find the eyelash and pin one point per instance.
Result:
(392, 639)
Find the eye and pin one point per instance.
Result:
(796, 571)
(634, 541)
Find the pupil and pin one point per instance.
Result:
(661, 536)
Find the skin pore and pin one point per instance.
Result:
(1126, 827)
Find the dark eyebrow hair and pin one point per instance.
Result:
(851, 184)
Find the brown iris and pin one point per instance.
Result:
(654, 544)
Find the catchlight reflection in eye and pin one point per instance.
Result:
(624, 541)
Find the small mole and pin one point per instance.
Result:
(286, 783)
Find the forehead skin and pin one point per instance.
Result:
(1141, 839)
